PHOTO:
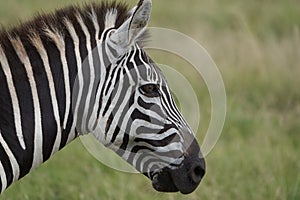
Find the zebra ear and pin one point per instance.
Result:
(129, 32)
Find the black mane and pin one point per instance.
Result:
(55, 20)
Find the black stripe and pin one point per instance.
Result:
(97, 71)
(106, 61)
(146, 130)
(57, 74)
(108, 123)
(109, 83)
(49, 127)
(57, 71)
(131, 66)
(114, 92)
(120, 120)
(124, 144)
(72, 67)
(140, 65)
(91, 29)
(81, 36)
(107, 105)
(115, 134)
(151, 106)
(103, 89)
(137, 114)
(169, 105)
(134, 150)
(148, 151)
(160, 143)
(7, 166)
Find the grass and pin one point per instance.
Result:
(257, 48)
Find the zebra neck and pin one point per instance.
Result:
(52, 86)
(35, 105)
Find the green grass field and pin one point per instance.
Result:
(256, 45)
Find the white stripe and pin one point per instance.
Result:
(12, 159)
(93, 121)
(121, 108)
(75, 39)
(36, 41)
(38, 132)
(93, 118)
(60, 43)
(2, 177)
(110, 18)
(92, 72)
(14, 98)
(94, 19)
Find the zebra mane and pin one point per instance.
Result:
(54, 21)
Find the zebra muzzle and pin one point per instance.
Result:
(186, 177)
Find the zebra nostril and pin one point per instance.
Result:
(196, 173)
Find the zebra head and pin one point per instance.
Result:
(142, 122)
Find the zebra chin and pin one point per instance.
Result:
(184, 178)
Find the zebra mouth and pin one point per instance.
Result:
(163, 182)
(184, 179)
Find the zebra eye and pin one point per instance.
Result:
(150, 90)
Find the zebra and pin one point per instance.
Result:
(83, 70)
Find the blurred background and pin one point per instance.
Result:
(256, 45)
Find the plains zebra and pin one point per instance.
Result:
(83, 70)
